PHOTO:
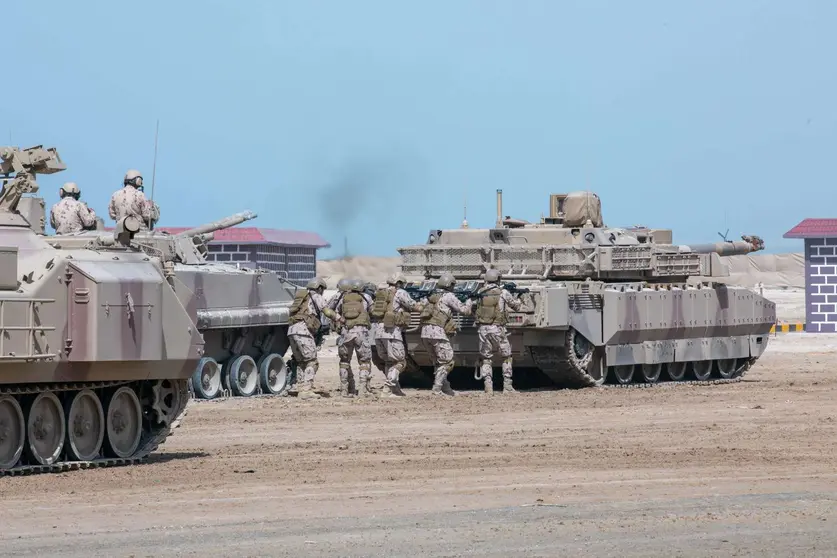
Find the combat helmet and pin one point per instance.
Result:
(316, 283)
(134, 178)
(370, 287)
(357, 285)
(492, 276)
(446, 281)
(395, 278)
(70, 189)
(344, 285)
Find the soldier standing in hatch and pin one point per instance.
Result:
(491, 318)
(306, 319)
(130, 200)
(437, 323)
(390, 313)
(353, 307)
(71, 215)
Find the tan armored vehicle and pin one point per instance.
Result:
(96, 348)
(243, 314)
(603, 304)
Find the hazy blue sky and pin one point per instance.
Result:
(373, 119)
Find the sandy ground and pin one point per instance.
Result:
(745, 469)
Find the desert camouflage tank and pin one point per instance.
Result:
(96, 349)
(243, 314)
(604, 305)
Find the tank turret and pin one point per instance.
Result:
(601, 303)
(572, 243)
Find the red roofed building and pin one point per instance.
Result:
(291, 254)
(820, 237)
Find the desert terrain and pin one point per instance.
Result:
(741, 469)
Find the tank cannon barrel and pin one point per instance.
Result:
(746, 245)
(224, 223)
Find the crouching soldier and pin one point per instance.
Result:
(390, 314)
(437, 324)
(306, 314)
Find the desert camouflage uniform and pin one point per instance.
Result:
(70, 215)
(494, 339)
(437, 343)
(354, 340)
(303, 344)
(389, 343)
(130, 201)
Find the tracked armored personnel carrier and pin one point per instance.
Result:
(242, 313)
(96, 348)
(604, 304)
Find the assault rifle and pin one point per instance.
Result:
(478, 294)
(417, 292)
(514, 289)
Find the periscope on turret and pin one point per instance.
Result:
(606, 304)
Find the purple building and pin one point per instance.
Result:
(820, 237)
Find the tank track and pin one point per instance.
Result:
(149, 442)
(567, 371)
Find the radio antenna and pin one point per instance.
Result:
(154, 166)
(154, 170)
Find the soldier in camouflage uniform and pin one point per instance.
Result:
(130, 200)
(437, 323)
(390, 313)
(306, 314)
(353, 307)
(71, 215)
(343, 286)
(491, 319)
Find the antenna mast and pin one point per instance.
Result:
(465, 211)
(154, 168)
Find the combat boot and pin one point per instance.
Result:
(489, 385)
(344, 389)
(507, 385)
(387, 392)
(363, 388)
(438, 382)
(306, 391)
(446, 389)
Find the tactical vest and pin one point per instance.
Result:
(488, 308)
(354, 311)
(383, 300)
(385, 307)
(431, 314)
(299, 312)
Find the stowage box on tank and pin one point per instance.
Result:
(604, 304)
(96, 348)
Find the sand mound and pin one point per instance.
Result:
(366, 268)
